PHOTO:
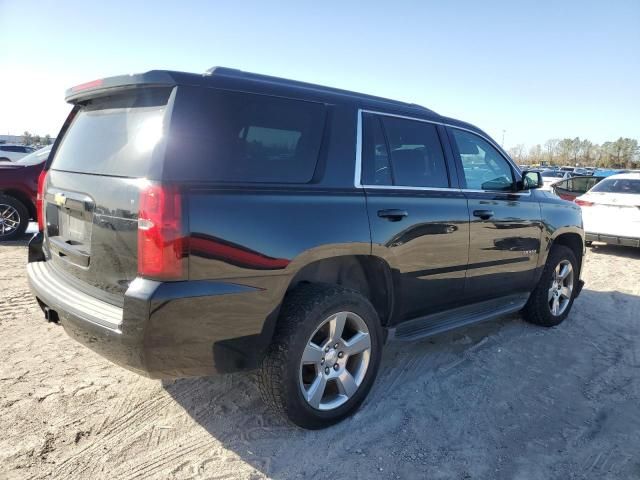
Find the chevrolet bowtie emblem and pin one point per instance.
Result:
(60, 199)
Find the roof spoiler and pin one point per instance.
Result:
(105, 86)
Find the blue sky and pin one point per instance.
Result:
(535, 69)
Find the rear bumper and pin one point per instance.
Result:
(164, 329)
(612, 239)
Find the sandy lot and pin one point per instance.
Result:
(500, 400)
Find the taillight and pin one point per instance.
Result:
(40, 200)
(160, 235)
(584, 203)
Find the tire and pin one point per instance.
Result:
(588, 243)
(4, 159)
(539, 309)
(283, 377)
(14, 218)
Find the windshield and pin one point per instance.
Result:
(618, 185)
(35, 158)
(552, 174)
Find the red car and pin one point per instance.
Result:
(18, 189)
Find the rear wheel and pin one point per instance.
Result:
(14, 218)
(324, 357)
(551, 301)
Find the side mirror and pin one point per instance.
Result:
(530, 180)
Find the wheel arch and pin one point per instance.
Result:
(22, 198)
(370, 275)
(573, 240)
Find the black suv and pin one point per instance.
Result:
(201, 224)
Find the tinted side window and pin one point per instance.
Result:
(580, 185)
(240, 137)
(416, 154)
(375, 155)
(484, 167)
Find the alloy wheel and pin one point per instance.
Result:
(335, 361)
(559, 295)
(9, 219)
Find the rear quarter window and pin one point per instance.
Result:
(223, 136)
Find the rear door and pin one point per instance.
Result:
(506, 226)
(111, 148)
(418, 216)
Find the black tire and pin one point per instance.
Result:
(588, 243)
(23, 214)
(537, 310)
(303, 311)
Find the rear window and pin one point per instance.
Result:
(115, 135)
(226, 136)
(618, 185)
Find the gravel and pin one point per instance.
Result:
(504, 399)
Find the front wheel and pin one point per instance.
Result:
(324, 357)
(551, 301)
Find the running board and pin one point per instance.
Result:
(458, 317)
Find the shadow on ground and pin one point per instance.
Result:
(616, 250)
(19, 242)
(503, 399)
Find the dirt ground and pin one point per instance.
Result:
(499, 400)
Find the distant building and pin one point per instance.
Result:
(11, 138)
(19, 139)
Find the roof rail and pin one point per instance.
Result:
(237, 73)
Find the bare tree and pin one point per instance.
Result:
(516, 152)
(551, 147)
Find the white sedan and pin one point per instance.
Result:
(611, 210)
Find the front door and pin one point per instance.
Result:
(419, 222)
(506, 225)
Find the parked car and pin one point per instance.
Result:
(550, 177)
(201, 224)
(607, 172)
(611, 210)
(11, 153)
(18, 188)
(571, 188)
